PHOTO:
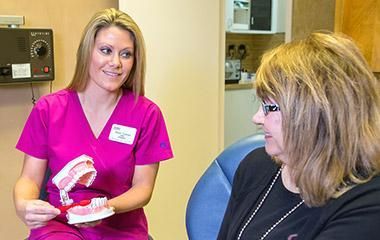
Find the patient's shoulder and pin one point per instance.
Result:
(256, 167)
(258, 160)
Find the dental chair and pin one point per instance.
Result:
(209, 198)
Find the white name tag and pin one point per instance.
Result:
(122, 134)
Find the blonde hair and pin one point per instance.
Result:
(330, 106)
(103, 19)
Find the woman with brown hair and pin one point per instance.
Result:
(318, 175)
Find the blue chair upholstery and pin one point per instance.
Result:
(209, 199)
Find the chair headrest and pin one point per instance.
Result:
(230, 158)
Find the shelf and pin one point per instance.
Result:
(251, 31)
(238, 86)
(242, 1)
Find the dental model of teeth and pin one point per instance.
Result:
(96, 210)
(80, 170)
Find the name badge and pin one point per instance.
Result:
(122, 134)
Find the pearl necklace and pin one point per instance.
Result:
(259, 206)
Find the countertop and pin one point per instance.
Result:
(237, 86)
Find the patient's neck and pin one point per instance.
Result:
(288, 179)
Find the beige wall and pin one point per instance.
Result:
(185, 43)
(66, 18)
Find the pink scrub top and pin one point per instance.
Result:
(57, 130)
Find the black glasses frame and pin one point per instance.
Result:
(269, 107)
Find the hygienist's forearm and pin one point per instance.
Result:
(136, 197)
(25, 189)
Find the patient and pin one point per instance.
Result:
(318, 175)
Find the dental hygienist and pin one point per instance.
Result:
(102, 113)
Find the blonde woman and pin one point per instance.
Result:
(318, 175)
(103, 114)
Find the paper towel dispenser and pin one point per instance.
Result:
(26, 55)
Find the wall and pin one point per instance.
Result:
(185, 43)
(310, 15)
(239, 107)
(67, 19)
(255, 44)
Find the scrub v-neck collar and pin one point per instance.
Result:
(87, 123)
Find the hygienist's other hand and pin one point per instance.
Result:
(36, 213)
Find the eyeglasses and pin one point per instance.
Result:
(269, 108)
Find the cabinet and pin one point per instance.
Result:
(261, 14)
(361, 21)
(237, 14)
(255, 16)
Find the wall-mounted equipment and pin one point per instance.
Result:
(26, 55)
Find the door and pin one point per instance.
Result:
(261, 13)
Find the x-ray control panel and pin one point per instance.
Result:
(26, 55)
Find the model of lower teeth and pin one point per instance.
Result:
(80, 170)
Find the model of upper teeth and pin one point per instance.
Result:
(80, 170)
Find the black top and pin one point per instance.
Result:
(278, 203)
(354, 215)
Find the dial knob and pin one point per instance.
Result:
(40, 49)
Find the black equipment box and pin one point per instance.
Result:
(26, 55)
